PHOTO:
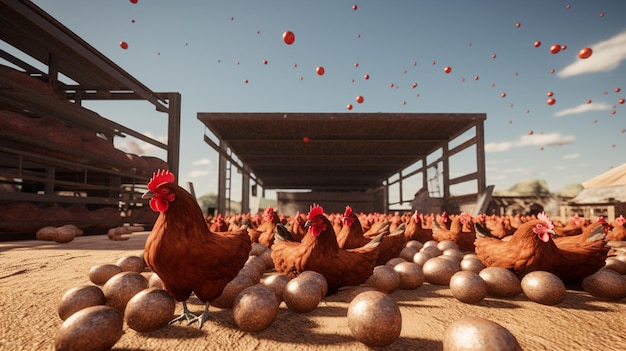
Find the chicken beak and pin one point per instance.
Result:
(307, 224)
(147, 195)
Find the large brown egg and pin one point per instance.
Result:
(385, 279)
(447, 244)
(421, 257)
(543, 287)
(131, 264)
(302, 295)
(475, 333)
(606, 284)
(318, 278)
(407, 253)
(255, 308)
(414, 244)
(258, 263)
(374, 319)
(468, 287)
(501, 282)
(122, 287)
(231, 290)
(75, 299)
(430, 243)
(394, 261)
(66, 233)
(46, 233)
(92, 328)
(102, 273)
(252, 272)
(616, 264)
(149, 310)
(267, 258)
(258, 249)
(432, 250)
(439, 270)
(155, 281)
(472, 265)
(456, 254)
(410, 274)
(277, 283)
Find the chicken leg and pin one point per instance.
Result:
(192, 318)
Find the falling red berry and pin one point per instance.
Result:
(585, 53)
(537, 44)
(367, 76)
(359, 99)
(447, 69)
(551, 101)
(555, 48)
(530, 132)
(550, 93)
(124, 45)
(320, 70)
(289, 37)
(617, 90)
(354, 7)
(349, 106)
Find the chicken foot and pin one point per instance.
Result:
(192, 318)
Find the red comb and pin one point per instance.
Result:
(315, 210)
(544, 217)
(160, 177)
(348, 211)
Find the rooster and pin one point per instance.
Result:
(414, 229)
(532, 248)
(184, 253)
(318, 251)
(618, 232)
(461, 231)
(351, 237)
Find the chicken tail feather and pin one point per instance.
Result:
(399, 230)
(597, 234)
(374, 242)
(282, 233)
(481, 231)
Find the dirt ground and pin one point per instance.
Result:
(35, 274)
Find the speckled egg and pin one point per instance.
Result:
(149, 310)
(439, 270)
(100, 274)
(302, 295)
(606, 284)
(252, 272)
(258, 249)
(478, 334)
(277, 283)
(410, 274)
(318, 278)
(616, 264)
(501, 282)
(447, 244)
(468, 287)
(374, 319)
(255, 308)
(472, 264)
(394, 261)
(543, 287)
(258, 263)
(131, 264)
(155, 281)
(231, 290)
(75, 299)
(407, 253)
(385, 279)
(122, 287)
(92, 328)
(414, 244)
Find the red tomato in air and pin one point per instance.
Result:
(617, 90)
(320, 70)
(124, 45)
(555, 48)
(359, 99)
(356, 64)
(563, 47)
(447, 69)
(537, 44)
(367, 76)
(289, 37)
(550, 93)
(354, 7)
(349, 106)
(620, 101)
(551, 101)
(585, 53)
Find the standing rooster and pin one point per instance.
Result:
(184, 253)
(318, 251)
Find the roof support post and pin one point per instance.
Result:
(173, 131)
(221, 180)
(245, 190)
(480, 157)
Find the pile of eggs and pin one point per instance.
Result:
(126, 292)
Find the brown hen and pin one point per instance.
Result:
(184, 253)
(318, 251)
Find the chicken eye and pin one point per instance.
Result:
(165, 191)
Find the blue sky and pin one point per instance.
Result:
(207, 49)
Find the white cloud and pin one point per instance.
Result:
(198, 173)
(607, 55)
(571, 156)
(530, 140)
(201, 162)
(139, 147)
(582, 108)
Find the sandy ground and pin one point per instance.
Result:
(35, 274)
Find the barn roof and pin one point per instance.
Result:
(334, 151)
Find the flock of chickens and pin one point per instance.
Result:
(191, 253)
